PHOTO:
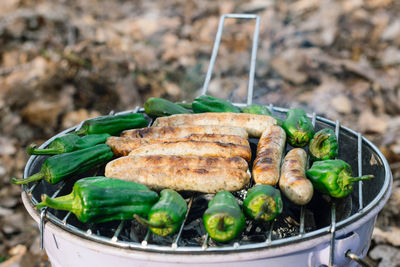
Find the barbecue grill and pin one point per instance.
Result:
(325, 232)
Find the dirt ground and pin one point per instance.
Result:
(65, 61)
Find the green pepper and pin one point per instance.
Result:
(62, 166)
(69, 143)
(101, 199)
(206, 103)
(223, 219)
(333, 177)
(324, 145)
(257, 109)
(263, 202)
(261, 110)
(112, 125)
(298, 128)
(185, 105)
(167, 215)
(159, 107)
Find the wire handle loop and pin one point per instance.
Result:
(217, 43)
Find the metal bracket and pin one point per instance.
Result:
(217, 43)
(42, 222)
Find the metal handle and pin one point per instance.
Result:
(253, 52)
(357, 259)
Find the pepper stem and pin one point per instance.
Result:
(221, 223)
(35, 177)
(147, 223)
(319, 140)
(59, 203)
(32, 150)
(359, 178)
(264, 209)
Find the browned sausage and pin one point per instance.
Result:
(254, 124)
(267, 164)
(293, 181)
(122, 146)
(183, 131)
(206, 180)
(195, 148)
(131, 162)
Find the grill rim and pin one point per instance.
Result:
(377, 203)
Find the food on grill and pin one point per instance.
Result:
(59, 167)
(122, 146)
(206, 103)
(112, 125)
(194, 148)
(323, 145)
(100, 199)
(195, 162)
(183, 131)
(223, 219)
(257, 109)
(267, 164)
(333, 177)
(184, 105)
(206, 180)
(167, 215)
(158, 107)
(69, 143)
(254, 124)
(263, 203)
(298, 127)
(293, 182)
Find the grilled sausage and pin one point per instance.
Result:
(293, 181)
(122, 146)
(267, 164)
(254, 124)
(206, 180)
(195, 148)
(194, 162)
(182, 131)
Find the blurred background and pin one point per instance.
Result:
(62, 62)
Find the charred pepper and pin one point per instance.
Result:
(263, 202)
(223, 219)
(206, 103)
(298, 128)
(112, 125)
(166, 216)
(100, 199)
(324, 145)
(62, 166)
(159, 107)
(333, 177)
(69, 143)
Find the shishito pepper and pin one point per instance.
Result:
(62, 166)
(166, 216)
(159, 107)
(206, 103)
(324, 145)
(333, 177)
(223, 219)
(101, 199)
(263, 202)
(298, 128)
(112, 125)
(69, 143)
